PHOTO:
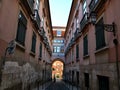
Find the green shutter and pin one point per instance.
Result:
(33, 42)
(40, 50)
(21, 30)
(85, 45)
(100, 37)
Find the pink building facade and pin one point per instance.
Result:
(28, 23)
(92, 54)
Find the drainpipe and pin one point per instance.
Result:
(115, 41)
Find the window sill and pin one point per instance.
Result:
(20, 46)
(77, 59)
(72, 62)
(101, 49)
(86, 56)
(32, 53)
(43, 61)
(40, 58)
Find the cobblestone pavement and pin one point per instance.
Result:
(59, 85)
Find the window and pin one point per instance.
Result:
(85, 45)
(77, 52)
(58, 33)
(33, 43)
(84, 7)
(96, 1)
(40, 51)
(42, 22)
(56, 49)
(36, 5)
(62, 49)
(21, 30)
(77, 75)
(58, 41)
(103, 82)
(86, 78)
(55, 41)
(77, 23)
(72, 76)
(100, 37)
(72, 53)
(62, 41)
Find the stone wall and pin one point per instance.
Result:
(24, 74)
(106, 69)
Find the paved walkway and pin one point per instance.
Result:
(71, 87)
(58, 85)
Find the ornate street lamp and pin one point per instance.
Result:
(107, 27)
(93, 17)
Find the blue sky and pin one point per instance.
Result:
(60, 11)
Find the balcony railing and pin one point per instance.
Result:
(45, 39)
(58, 54)
(36, 19)
(29, 5)
(42, 32)
(77, 33)
(96, 4)
(84, 21)
(72, 42)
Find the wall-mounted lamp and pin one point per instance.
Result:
(107, 27)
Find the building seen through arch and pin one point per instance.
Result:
(57, 69)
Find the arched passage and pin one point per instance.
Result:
(57, 69)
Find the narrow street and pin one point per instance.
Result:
(59, 85)
(59, 45)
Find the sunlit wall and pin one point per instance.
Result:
(57, 69)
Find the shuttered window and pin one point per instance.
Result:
(33, 43)
(77, 75)
(103, 82)
(21, 30)
(100, 37)
(85, 45)
(40, 52)
(84, 7)
(86, 78)
(77, 52)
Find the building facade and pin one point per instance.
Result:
(58, 43)
(25, 44)
(92, 50)
(58, 57)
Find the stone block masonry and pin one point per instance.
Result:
(14, 75)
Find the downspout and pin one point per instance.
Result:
(115, 41)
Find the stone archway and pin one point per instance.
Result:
(57, 69)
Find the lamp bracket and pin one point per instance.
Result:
(109, 27)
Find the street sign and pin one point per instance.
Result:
(11, 47)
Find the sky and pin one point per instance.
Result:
(60, 11)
